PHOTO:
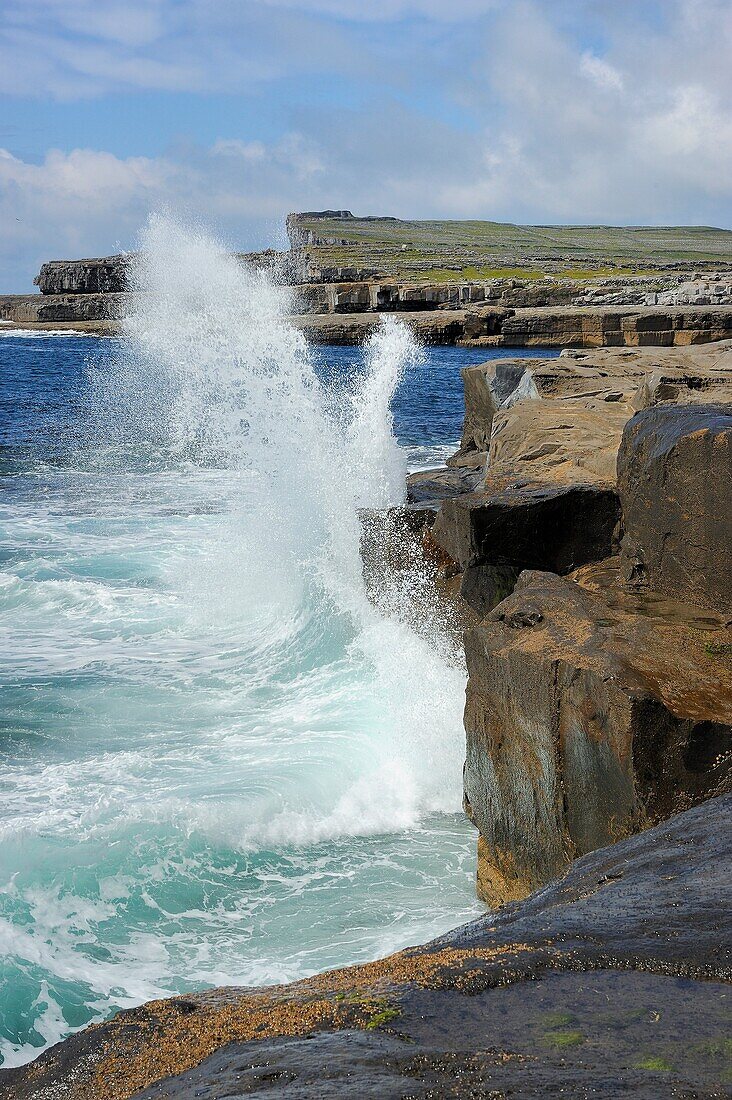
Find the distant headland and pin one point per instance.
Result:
(473, 283)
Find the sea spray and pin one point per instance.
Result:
(232, 765)
(299, 461)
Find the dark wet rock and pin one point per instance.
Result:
(494, 533)
(675, 483)
(408, 575)
(614, 981)
(588, 717)
(432, 486)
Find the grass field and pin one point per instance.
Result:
(444, 250)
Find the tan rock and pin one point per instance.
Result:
(590, 714)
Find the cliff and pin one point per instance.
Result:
(480, 284)
(594, 544)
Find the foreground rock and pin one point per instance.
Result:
(612, 982)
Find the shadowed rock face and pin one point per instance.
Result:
(611, 982)
(97, 276)
(675, 483)
(494, 533)
(587, 717)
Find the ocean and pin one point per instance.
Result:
(221, 764)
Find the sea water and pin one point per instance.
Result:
(220, 762)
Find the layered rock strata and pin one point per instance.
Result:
(93, 276)
(498, 312)
(67, 308)
(440, 327)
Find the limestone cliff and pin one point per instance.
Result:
(600, 688)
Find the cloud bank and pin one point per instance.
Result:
(524, 111)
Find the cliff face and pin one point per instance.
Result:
(501, 285)
(600, 687)
(105, 276)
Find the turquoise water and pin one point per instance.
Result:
(220, 764)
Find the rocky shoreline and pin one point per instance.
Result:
(471, 284)
(556, 327)
(613, 981)
(585, 528)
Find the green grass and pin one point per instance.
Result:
(479, 274)
(494, 249)
(656, 1063)
(563, 1039)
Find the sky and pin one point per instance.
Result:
(234, 112)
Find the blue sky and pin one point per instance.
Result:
(234, 112)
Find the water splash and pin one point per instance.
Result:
(216, 375)
(237, 753)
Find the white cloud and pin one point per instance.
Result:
(603, 75)
(77, 49)
(232, 147)
(521, 123)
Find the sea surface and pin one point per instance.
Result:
(220, 763)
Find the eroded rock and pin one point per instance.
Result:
(588, 717)
(494, 533)
(675, 484)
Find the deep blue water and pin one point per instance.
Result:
(218, 765)
(42, 380)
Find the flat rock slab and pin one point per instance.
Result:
(614, 981)
(564, 417)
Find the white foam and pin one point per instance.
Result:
(239, 387)
(222, 717)
(43, 334)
